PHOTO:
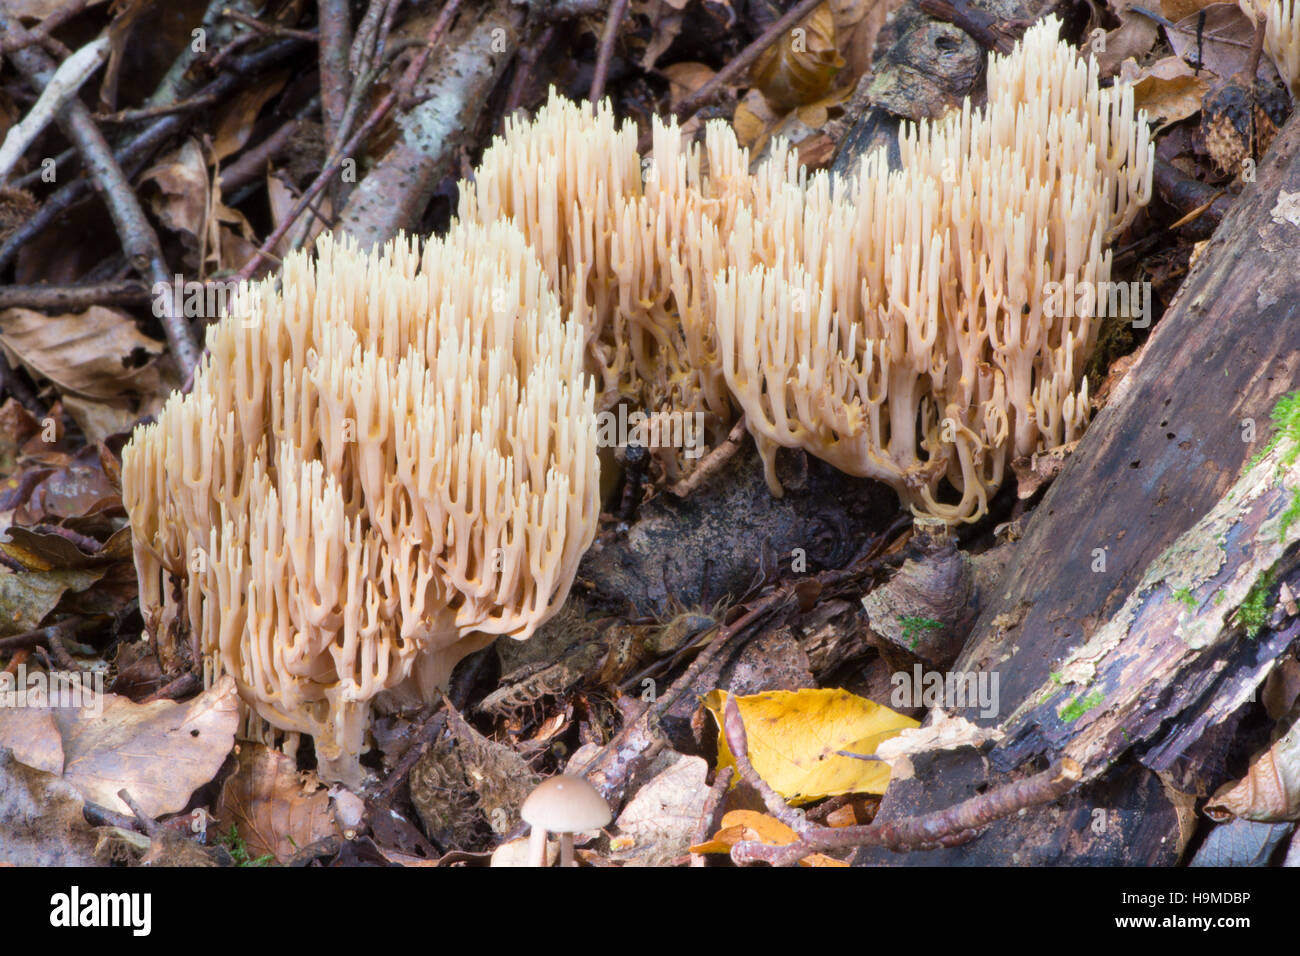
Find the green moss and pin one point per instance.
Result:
(914, 626)
(1080, 706)
(1184, 596)
(1254, 611)
(239, 849)
(1291, 514)
(1286, 426)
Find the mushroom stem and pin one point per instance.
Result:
(537, 847)
(566, 850)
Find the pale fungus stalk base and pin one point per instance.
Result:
(381, 467)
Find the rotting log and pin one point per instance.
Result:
(1104, 589)
(929, 67)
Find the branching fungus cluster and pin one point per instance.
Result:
(382, 465)
(898, 324)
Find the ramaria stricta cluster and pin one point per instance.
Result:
(382, 465)
(390, 458)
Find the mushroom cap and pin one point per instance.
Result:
(565, 804)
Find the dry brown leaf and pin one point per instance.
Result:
(276, 809)
(665, 24)
(753, 121)
(235, 121)
(41, 820)
(802, 66)
(1270, 791)
(1132, 39)
(659, 820)
(1169, 90)
(180, 200)
(1223, 44)
(1282, 688)
(161, 752)
(685, 78)
(857, 23)
(27, 597)
(32, 735)
(94, 354)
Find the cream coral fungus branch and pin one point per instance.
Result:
(382, 465)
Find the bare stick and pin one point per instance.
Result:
(709, 815)
(943, 828)
(42, 32)
(711, 463)
(612, 22)
(335, 40)
(139, 240)
(738, 741)
(62, 86)
(68, 298)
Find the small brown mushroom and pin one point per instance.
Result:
(564, 805)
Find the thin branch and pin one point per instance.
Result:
(335, 26)
(43, 32)
(134, 154)
(270, 29)
(711, 463)
(61, 86)
(943, 828)
(613, 21)
(253, 161)
(146, 113)
(733, 726)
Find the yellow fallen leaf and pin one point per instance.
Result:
(795, 738)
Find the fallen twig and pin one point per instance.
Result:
(60, 86)
(733, 725)
(613, 20)
(71, 298)
(943, 828)
(711, 463)
(182, 686)
(709, 816)
(745, 59)
(42, 33)
(335, 27)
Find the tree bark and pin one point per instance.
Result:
(1117, 639)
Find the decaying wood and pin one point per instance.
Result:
(1110, 593)
(929, 68)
